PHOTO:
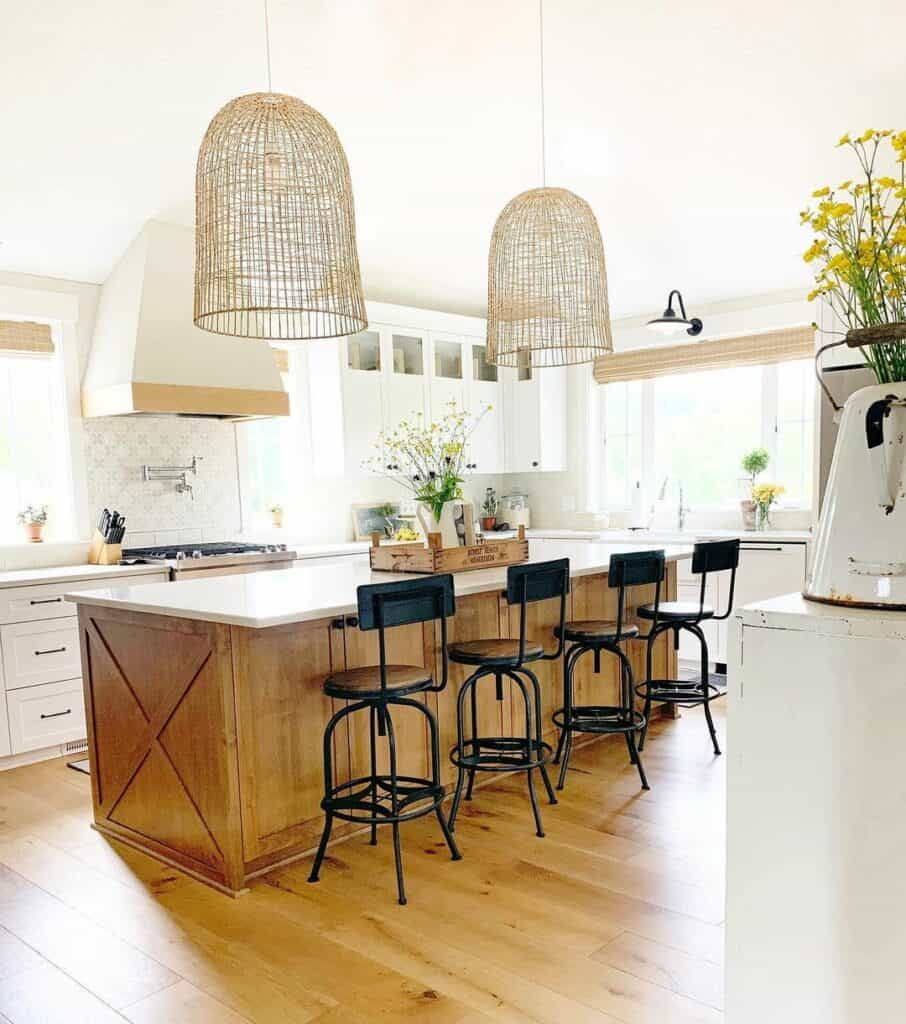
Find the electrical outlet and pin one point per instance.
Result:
(568, 503)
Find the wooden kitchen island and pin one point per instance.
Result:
(205, 710)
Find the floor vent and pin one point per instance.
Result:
(74, 747)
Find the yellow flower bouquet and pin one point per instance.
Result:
(764, 496)
(859, 245)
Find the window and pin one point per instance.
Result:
(622, 441)
(693, 428)
(34, 444)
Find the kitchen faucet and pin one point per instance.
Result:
(681, 509)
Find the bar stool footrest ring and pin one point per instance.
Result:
(599, 718)
(687, 693)
(502, 754)
(364, 801)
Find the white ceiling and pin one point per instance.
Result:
(696, 130)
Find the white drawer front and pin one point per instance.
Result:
(42, 716)
(25, 604)
(40, 652)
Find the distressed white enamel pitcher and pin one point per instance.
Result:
(859, 556)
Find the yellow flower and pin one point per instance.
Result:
(845, 185)
(867, 135)
(844, 140)
(887, 182)
(819, 192)
(840, 210)
(767, 494)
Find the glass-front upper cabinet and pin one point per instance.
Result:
(448, 359)
(408, 355)
(482, 371)
(363, 351)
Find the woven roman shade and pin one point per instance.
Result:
(777, 346)
(25, 336)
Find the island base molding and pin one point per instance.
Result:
(205, 739)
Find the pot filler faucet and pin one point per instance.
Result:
(177, 473)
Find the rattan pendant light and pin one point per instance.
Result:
(275, 249)
(547, 284)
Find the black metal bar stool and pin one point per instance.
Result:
(509, 659)
(638, 568)
(707, 558)
(388, 798)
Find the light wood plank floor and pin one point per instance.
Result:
(615, 916)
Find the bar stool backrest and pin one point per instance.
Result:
(402, 603)
(538, 581)
(712, 557)
(635, 569)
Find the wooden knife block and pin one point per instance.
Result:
(102, 553)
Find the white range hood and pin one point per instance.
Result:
(148, 357)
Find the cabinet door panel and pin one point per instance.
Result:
(363, 418)
(283, 713)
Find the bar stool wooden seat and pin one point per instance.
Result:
(509, 660)
(638, 568)
(707, 558)
(388, 798)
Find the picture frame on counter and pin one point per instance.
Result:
(375, 516)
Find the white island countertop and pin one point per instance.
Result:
(794, 612)
(309, 591)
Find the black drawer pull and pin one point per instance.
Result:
(48, 600)
(58, 714)
(761, 547)
(52, 650)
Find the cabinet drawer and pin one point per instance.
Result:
(44, 601)
(768, 570)
(40, 652)
(42, 716)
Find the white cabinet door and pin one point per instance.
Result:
(363, 400)
(405, 383)
(768, 570)
(536, 420)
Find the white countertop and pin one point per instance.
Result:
(73, 573)
(794, 612)
(310, 591)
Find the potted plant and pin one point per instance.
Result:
(276, 512)
(489, 510)
(34, 519)
(764, 496)
(388, 513)
(859, 251)
(429, 460)
(753, 462)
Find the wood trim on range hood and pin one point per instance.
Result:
(184, 400)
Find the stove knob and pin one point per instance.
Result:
(281, 547)
(196, 553)
(270, 549)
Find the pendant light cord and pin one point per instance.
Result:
(267, 44)
(541, 35)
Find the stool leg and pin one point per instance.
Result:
(373, 718)
(435, 777)
(529, 744)
(627, 702)
(460, 747)
(474, 702)
(649, 660)
(629, 684)
(394, 803)
(328, 785)
(706, 691)
(539, 736)
(569, 665)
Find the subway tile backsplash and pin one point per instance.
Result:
(117, 447)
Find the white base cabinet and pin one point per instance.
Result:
(816, 815)
(41, 702)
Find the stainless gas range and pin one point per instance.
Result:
(189, 561)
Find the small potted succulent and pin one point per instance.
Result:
(753, 462)
(276, 512)
(489, 510)
(34, 519)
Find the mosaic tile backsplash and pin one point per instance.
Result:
(117, 447)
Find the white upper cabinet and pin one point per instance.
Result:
(362, 374)
(535, 405)
(407, 362)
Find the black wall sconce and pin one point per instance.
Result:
(668, 322)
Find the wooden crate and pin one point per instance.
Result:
(416, 557)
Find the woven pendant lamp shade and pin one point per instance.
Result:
(275, 250)
(547, 285)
